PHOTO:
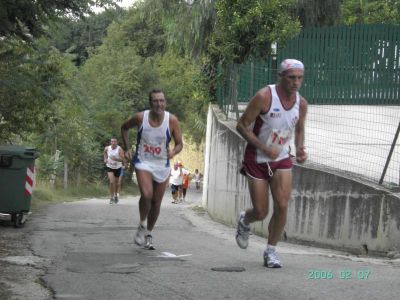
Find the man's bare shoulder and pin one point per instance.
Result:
(262, 99)
(173, 119)
(303, 102)
(138, 117)
(139, 114)
(264, 92)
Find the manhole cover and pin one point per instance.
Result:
(228, 269)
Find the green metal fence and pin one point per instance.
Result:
(357, 64)
(352, 83)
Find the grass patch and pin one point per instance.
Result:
(43, 194)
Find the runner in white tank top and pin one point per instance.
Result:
(156, 127)
(152, 148)
(112, 156)
(274, 115)
(113, 159)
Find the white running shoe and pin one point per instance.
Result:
(242, 232)
(139, 237)
(271, 259)
(148, 244)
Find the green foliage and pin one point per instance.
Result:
(371, 12)
(246, 28)
(25, 18)
(188, 27)
(77, 36)
(117, 81)
(68, 128)
(141, 32)
(29, 80)
(185, 91)
(318, 12)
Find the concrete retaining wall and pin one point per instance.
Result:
(326, 208)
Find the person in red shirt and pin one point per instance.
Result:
(185, 184)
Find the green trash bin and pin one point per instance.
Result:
(17, 171)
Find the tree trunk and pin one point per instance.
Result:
(53, 176)
(78, 176)
(65, 173)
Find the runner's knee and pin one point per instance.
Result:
(282, 207)
(147, 194)
(260, 214)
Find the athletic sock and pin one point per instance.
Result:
(143, 223)
(243, 223)
(270, 248)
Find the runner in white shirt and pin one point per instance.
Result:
(113, 158)
(156, 127)
(197, 178)
(176, 179)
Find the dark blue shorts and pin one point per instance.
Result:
(174, 188)
(116, 172)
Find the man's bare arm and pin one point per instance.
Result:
(256, 106)
(134, 121)
(299, 138)
(176, 135)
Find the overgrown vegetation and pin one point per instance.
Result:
(69, 78)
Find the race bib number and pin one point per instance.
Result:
(279, 138)
(154, 150)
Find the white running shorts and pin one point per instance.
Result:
(160, 174)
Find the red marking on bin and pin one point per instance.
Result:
(29, 180)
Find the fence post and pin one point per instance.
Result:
(235, 79)
(274, 61)
(251, 92)
(390, 154)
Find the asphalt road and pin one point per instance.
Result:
(85, 250)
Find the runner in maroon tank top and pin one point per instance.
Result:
(272, 118)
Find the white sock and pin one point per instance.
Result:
(270, 247)
(143, 223)
(118, 195)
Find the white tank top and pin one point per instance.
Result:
(276, 127)
(111, 154)
(152, 142)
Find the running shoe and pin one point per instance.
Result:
(112, 200)
(149, 243)
(243, 232)
(139, 237)
(271, 259)
(116, 199)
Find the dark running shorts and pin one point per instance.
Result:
(117, 172)
(260, 171)
(174, 188)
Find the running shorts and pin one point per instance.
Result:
(160, 174)
(262, 171)
(116, 172)
(174, 188)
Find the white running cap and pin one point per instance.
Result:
(290, 63)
